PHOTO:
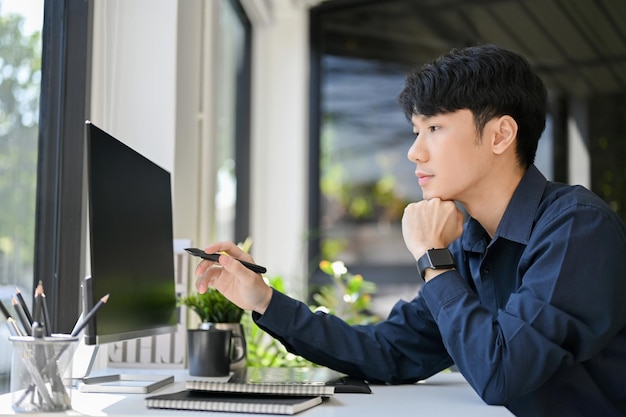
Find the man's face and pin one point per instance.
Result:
(450, 161)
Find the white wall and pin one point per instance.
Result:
(134, 74)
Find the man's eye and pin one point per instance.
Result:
(433, 128)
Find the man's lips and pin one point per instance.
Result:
(423, 178)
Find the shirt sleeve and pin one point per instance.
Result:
(567, 307)
(402, 349)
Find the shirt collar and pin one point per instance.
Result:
(518, 219)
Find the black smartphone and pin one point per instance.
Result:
(215, 256)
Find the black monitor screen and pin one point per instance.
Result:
(131, 242)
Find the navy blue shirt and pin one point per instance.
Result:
(534, 318)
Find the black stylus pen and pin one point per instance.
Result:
(215, 257)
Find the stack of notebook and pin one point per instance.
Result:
(235, 402)
(260, 391)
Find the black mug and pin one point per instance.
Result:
(210, 351)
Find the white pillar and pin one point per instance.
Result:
(280, 142)
(578, 158)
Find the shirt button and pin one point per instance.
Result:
(486, 269)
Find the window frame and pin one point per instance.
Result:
(243, 130)
(64, 106)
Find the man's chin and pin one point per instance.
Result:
(442, 197)
(430, 195)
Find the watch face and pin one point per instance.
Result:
(441, 258)
(435, 259)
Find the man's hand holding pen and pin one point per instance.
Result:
(239, 284)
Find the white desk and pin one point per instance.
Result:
(445, 394)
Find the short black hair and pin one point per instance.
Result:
(488, 80)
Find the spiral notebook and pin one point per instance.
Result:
(233, 402)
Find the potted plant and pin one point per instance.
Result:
(212, 307)
(216, 311)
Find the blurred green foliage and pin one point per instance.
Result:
(20, 78)
(347, 296)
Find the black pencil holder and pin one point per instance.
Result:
(37, 369)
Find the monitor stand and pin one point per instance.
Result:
(125, 383)
(82, 365)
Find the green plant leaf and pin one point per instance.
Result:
(212, 307)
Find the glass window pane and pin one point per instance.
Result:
(20, 73)
(366, 179)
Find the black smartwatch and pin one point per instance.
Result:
(435, 259)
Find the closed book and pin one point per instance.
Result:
(233, 402)
(262, 388)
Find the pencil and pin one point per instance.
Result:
(20, 298)
(22, 316)
(14, 328)
(4, 310)
(44, 309)
(90, 315)
(37, 306)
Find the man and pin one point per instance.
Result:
(527, 298)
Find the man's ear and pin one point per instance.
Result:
(504, 134)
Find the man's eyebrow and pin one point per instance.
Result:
(421, 119)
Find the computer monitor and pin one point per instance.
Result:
(131, 242)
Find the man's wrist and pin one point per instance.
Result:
(265, 304)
